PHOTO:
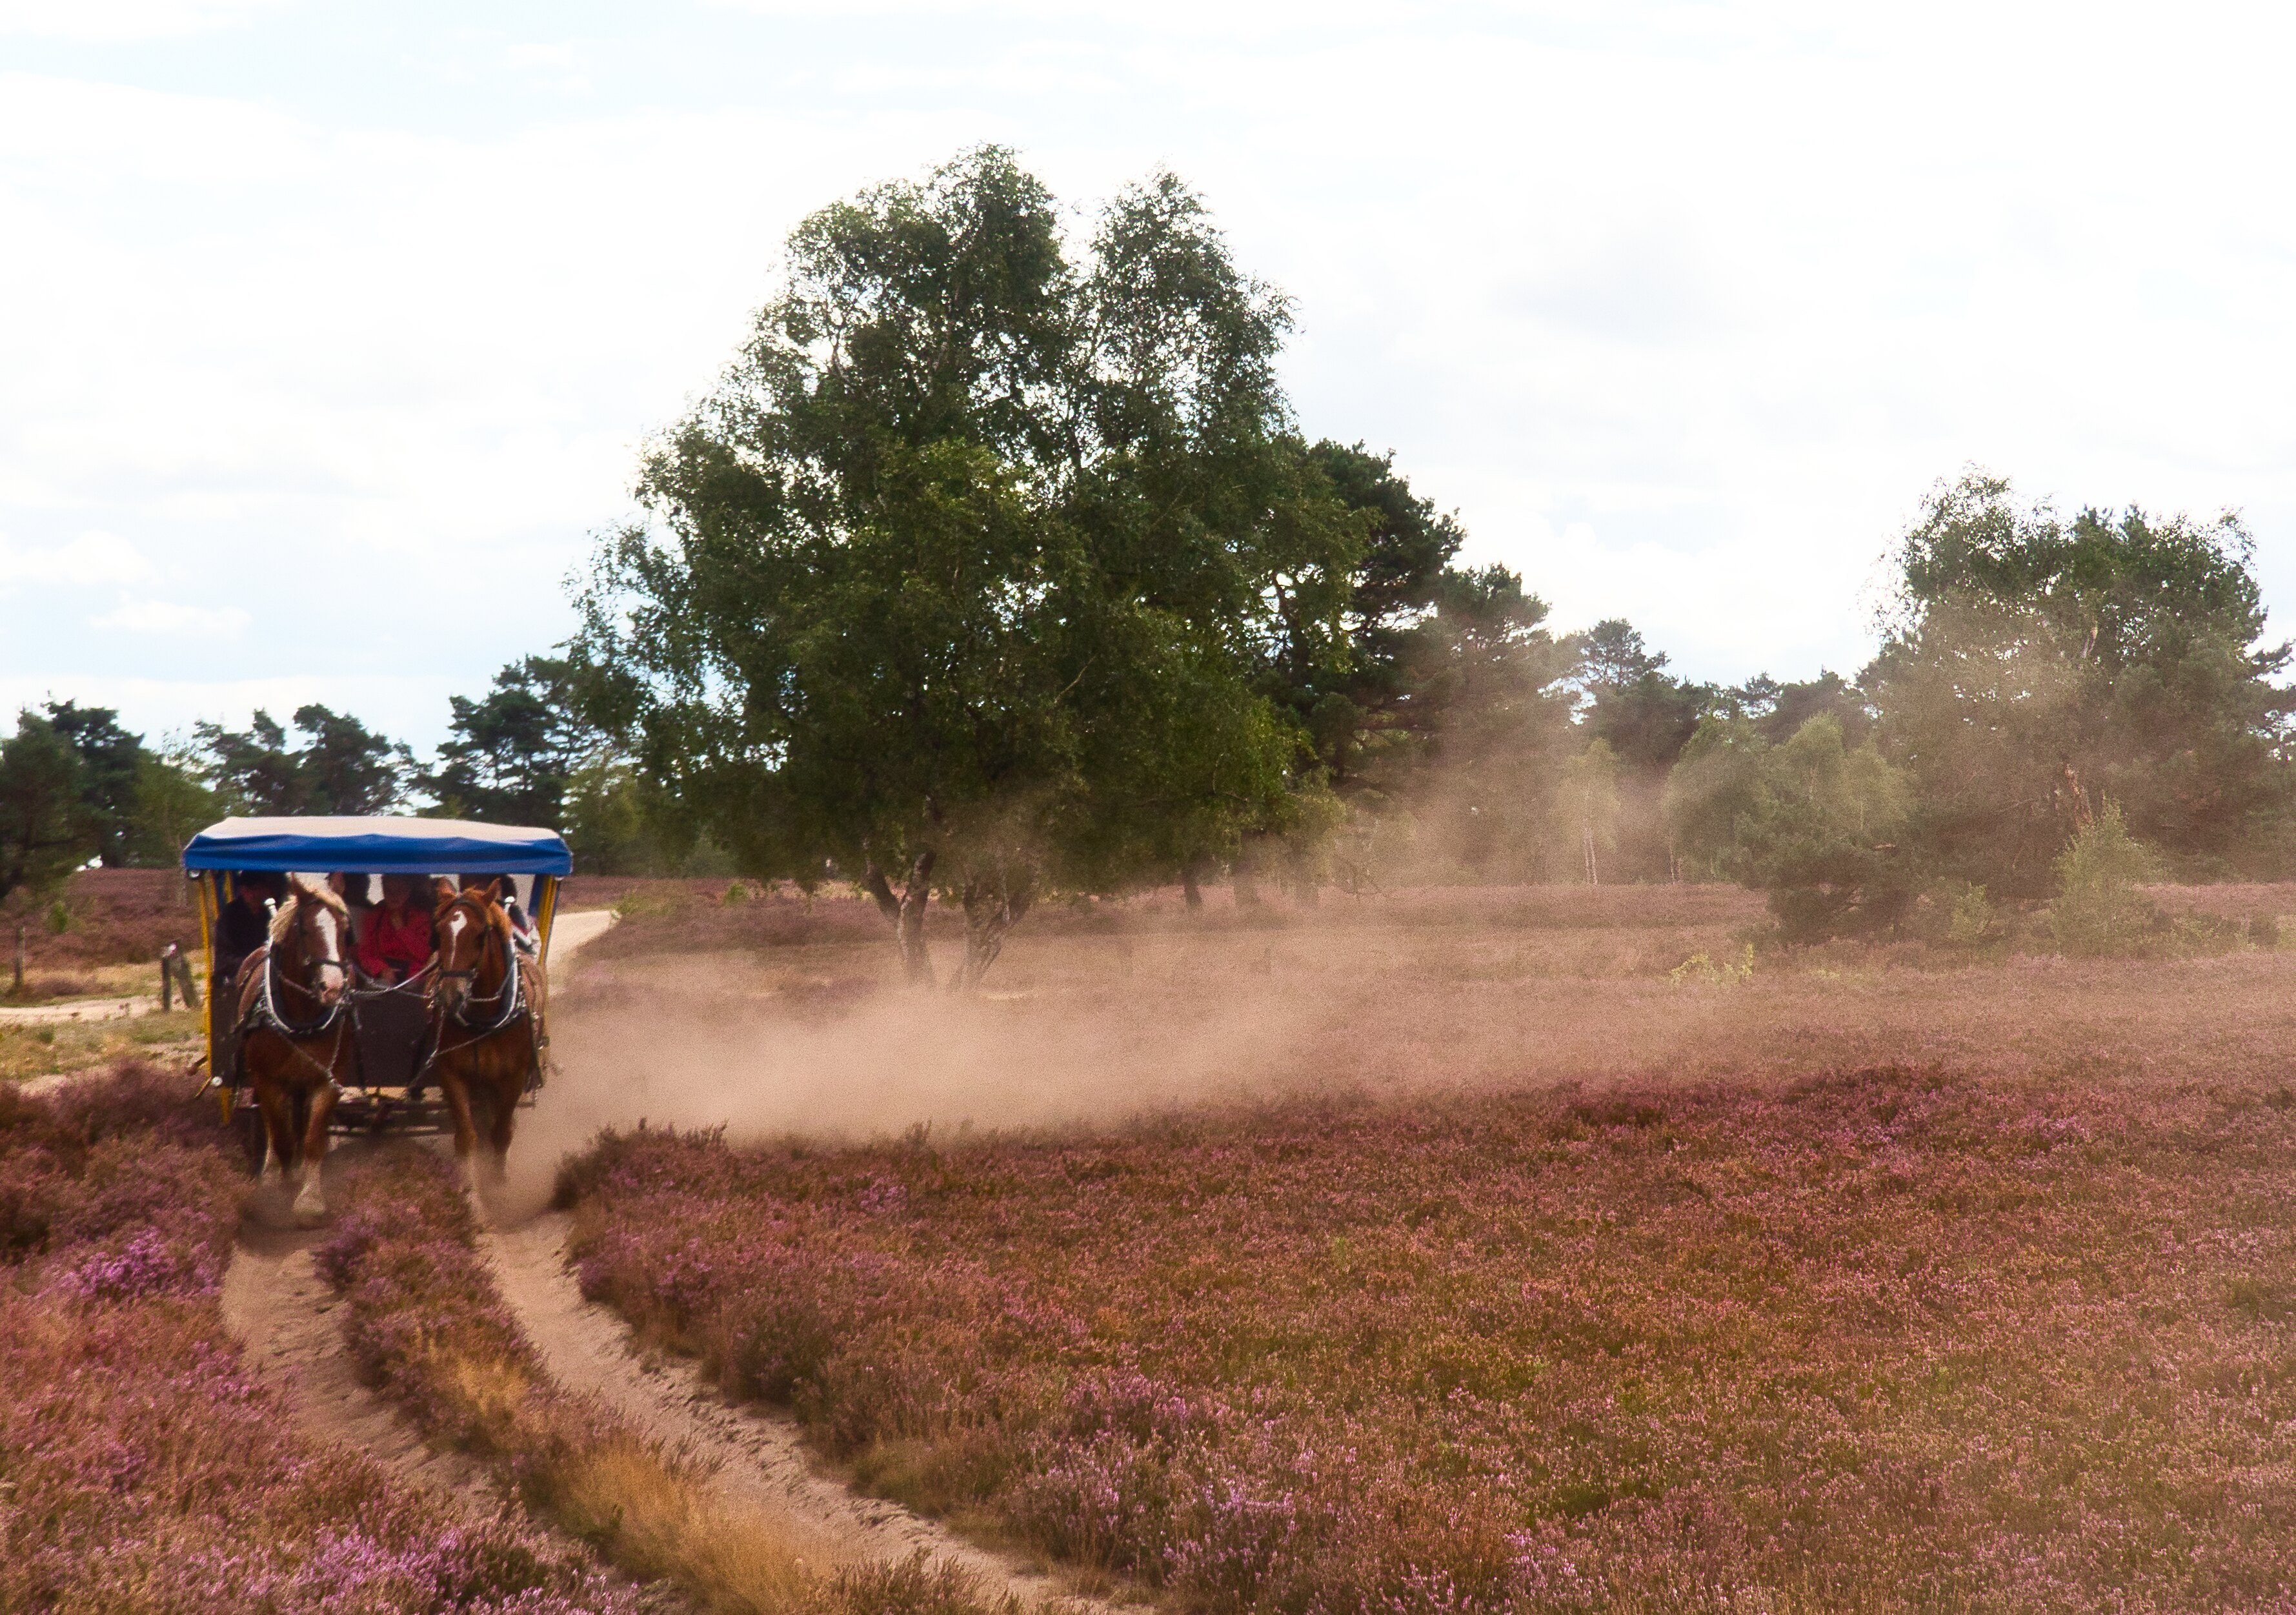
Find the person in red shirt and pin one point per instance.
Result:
(397, 942)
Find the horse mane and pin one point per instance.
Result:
(284, 920)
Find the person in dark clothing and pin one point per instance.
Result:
(521, 925)
(244, 926)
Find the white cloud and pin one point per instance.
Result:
(172, 617)
(1681, 306)
(90, 559)
(114, 21)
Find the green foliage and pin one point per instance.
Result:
(59, 918)
(341, 767)
(1490, 721)
(982, 568)
(511, 753)
(2034, 664)
(2099, 910)
(1703, 970)
(171, 805)
(46, 828)
(109, 760)
(1586, 806)
(1973, 921)
(1813, 822)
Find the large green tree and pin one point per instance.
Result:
(46, 828)
(340, 767)
(2034, 666)
(109, 760)
(974, 572)
(511, 753)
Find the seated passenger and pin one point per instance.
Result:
(397, 943)
(353, 890)
(521, 926)
(244, 926)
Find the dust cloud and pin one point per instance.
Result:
(1444, 993)
(707, 1049)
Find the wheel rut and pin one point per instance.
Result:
(283, 1316)
(758, 1457)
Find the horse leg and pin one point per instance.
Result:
(507, 1087)
(278, 1132)
(457, 1093)
(311, 1201)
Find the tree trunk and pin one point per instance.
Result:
(906, 910)
(1245, 882)
(993, 905)
(1307, 890)
(916, 960)
(1191, 887)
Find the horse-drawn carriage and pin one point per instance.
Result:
(373, 1045)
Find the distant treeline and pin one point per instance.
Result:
(994, 566)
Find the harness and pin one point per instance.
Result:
(505, 1004)
(509, 997)
(265, 1014)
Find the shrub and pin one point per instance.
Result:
(1973, 921)
(140, 1468)
(1857, 1343)
(2099, 911)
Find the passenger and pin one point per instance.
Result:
(353, 890)
(244, 926)
(397, 943)
(522, 932)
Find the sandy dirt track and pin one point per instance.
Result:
(282, 1312)
(282, 1316)
(81, 1009)
(759, 1459)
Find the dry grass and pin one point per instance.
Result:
(47, 1050)
(426, 1325)
(1465, 1251)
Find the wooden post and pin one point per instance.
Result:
(189, 982)
(166, 978)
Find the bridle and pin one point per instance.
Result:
(336, 1019)
(325, 962)
(509, 1000)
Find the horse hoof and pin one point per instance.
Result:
(310, 1211)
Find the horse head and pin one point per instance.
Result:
(311, 937)
(472, 935)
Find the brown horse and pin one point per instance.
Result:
(295, 1043)
(487, 1005)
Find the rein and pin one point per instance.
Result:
(509, 997)
(265, 1012)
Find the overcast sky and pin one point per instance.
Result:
(329, 333)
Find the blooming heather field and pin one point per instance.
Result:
(141, 1470)
(1891, 1340)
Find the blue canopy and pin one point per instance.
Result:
(379, 847)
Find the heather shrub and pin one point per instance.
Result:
(426, 1325)
(1889, 1339)
(140, 1468)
